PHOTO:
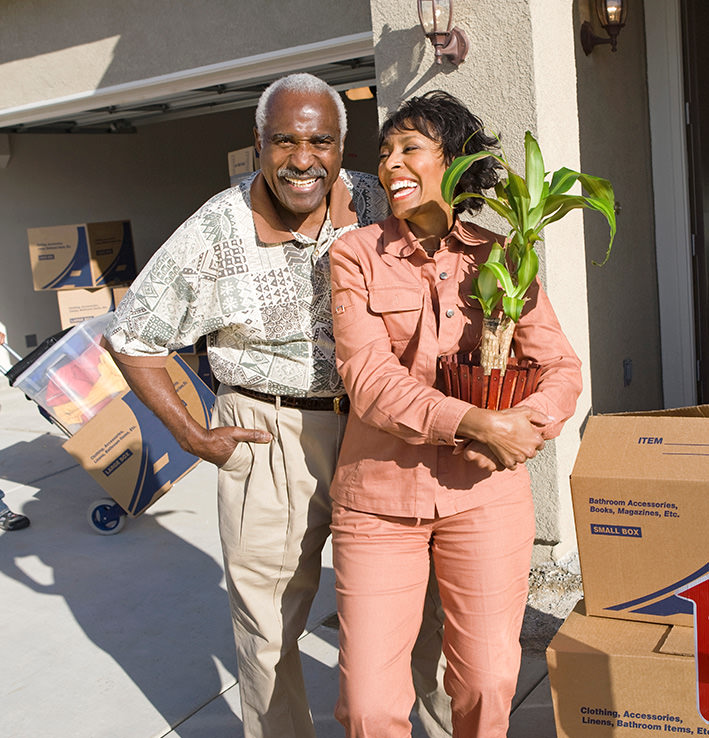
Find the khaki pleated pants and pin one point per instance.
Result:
(274, 519)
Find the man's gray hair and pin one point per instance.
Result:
(301, 82)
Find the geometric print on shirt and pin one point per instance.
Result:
(264, 308)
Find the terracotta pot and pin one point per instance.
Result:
(461, 376)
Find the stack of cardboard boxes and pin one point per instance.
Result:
(623, 664)
(90, 265)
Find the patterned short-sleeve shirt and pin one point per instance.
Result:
(264, 307)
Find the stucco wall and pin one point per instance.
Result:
(53, 48)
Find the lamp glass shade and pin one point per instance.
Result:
(435, 15)
(612, 12)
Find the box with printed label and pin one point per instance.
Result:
(81, 255)
(130, 453)
(241, 162)
(640, 490)
(621, 679)
(76, 306)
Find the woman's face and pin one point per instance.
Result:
(411, 167)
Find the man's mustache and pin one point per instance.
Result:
(300, 174)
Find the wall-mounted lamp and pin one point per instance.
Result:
(611, 15)
(436, 17)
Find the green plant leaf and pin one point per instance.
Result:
(501, 273)
(499, 207)
(555, 201)
(609, 211)
(568, 203)
(563, 180)
(534, 169)
(598, 188)
(497, 254)
(486, 284)
(488, 306)
(458, 167)
(518, 196)
(528, 268)
(512, 307)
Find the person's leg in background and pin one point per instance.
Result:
(274, 512)
(10, 520)
(482, 559)
(382, 570)
(428, 666)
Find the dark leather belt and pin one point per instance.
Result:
(340, 405)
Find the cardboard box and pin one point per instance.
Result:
(199, 364)
(130, 453)
(76, 306)
(119, 293)
(81, 256)
(241, 162)
(621, 679)
(640, 489)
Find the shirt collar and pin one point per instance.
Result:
(400, 241)
(270, 227)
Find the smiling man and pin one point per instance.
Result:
(250, 270)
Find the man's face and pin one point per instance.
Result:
(300, 150)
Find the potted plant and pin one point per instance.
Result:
(528, 203)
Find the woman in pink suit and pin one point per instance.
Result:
(422, 476)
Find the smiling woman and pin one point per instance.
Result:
(422, 475)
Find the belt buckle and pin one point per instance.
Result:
(341, 404)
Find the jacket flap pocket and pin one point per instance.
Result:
(395, 298)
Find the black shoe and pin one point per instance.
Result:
(13, 521)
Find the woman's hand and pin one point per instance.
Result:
(512, 436)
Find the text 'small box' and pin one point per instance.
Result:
(130, 453)
(83, 255)
(622, 679)
(640, 489)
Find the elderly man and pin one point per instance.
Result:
(250, 270)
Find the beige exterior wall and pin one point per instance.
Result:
(55, 48)
(521, 73)
(614, 129)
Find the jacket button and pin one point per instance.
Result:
(443, 275)
(450, 313)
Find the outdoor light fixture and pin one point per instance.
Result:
(611, 15)
(436, 17)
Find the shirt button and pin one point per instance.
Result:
(450, 313)
(443, 275)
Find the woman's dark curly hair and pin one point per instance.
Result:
(444, 119)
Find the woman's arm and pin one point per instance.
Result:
(538, 336)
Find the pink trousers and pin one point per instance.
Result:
(481, 558)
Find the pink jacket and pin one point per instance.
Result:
(396, 456)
